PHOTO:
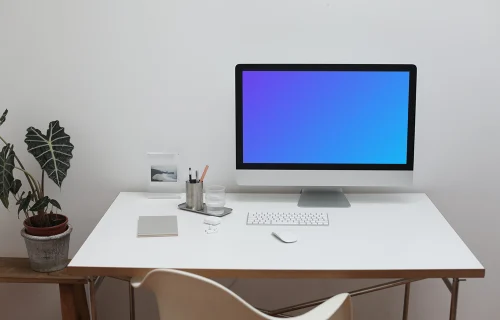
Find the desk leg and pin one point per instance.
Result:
(73, 302)
(131, 300)
(454, 299)
(93, 305)
(407, 301)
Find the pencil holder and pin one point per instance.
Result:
(194, 195)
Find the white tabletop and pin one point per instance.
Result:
(380, 236)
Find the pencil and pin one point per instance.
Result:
(204, 173)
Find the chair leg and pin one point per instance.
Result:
(131, 298)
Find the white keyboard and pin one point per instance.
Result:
(287, 218)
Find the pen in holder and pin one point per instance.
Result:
(194, 195)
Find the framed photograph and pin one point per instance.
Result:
(162, 174)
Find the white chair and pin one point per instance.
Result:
(185, 296)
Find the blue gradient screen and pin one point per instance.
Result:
(325, 117)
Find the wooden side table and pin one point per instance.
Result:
(74, 304)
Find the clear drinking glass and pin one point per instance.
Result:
(215, 199)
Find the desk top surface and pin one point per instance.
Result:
(380, 236)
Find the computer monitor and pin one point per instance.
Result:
(325, 126)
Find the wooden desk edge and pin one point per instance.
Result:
(46, 281)
(288, 274)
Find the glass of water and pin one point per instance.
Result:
(215, 199)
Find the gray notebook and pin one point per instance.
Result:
(157, 226)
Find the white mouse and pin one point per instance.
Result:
(285, 236)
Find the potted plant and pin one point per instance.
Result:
(46, 232)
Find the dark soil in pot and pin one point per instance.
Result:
(46, 225)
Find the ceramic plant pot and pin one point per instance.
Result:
(48, 253)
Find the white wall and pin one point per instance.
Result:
(126, 77)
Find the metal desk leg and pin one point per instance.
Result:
(92, 289)
(94, 284)
(407, 301)
(131, 299)
(454, 299)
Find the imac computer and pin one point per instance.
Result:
(324, 126)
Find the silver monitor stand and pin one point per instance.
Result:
(323, 198)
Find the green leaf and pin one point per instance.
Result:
(55, 204)
(40, 204)
(4, 115)
(20, 198)
(53, 151)
(5, 202)
(6, 175)
(24, 203)
(16, 185)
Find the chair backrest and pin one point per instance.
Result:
(185, 296)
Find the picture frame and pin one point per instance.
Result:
(163, 175)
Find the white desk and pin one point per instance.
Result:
(380, 236)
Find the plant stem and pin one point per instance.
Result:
(28, 175)
(43, 184)
(25, 212)
(25, 172)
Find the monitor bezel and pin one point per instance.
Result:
(408, 166)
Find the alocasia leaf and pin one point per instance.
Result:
(6, 175)
(3, 117)
(53, 150)
(24, 203)
(20, 198)
(40, 204)
(55, 204)
(16, 185)
(5, 202)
